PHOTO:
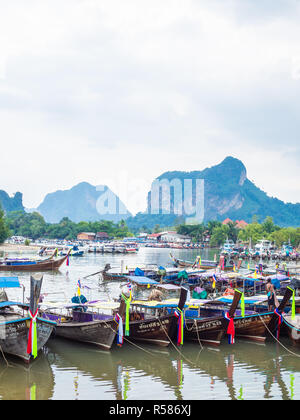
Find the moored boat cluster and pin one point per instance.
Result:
(201, 301)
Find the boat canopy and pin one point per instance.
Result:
(97, 304)
(141, 280)
(254, 300)
(8, 282)
(279, 277)
(154, 304)
(169, 286)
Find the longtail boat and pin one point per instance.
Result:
(207, 325)
(256, 325)
(154, 322)
(198, 263)
(49, 264)
(173, 275)
(205, 264)
(17, 331)
(291, 321)
(292, 325)
(85, 323)
(108, 275)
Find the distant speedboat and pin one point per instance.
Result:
(263, 247)
(131, 250)
(286, 250)
(75, 251)
(227, 247)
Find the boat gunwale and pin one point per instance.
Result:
(28, 319)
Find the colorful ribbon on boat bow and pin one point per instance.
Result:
(127, 302)
(179, 314)
(32, 337)
(293, 303)
(119, 321)
(243, 305)
(279, 322)
(230, 329)
(214, 281)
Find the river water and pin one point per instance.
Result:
(69, 371)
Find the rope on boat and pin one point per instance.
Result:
(276, 339)
(181, 354)
(151, 354)
(195, 324)
(130, 342)
(8, 365)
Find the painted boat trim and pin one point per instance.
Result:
(254, 315)
(290, 325)
(27, 319)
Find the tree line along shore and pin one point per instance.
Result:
(215, 233)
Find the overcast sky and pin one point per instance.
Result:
(118, 92)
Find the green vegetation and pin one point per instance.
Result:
(4, 230)
(217, 232)
(33, 225)
(268, 230)
(11, 203)
(253, 232)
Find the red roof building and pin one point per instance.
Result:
(154, 236)
(86, 236)
(240, 224)
(226, 221)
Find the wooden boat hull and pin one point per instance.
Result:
(292, 330)
(113, 277)
(189, 264)
(212, 330)
(14, 336)
(209, 325)
(253, 327)
(99, 333)
(257, 326)
(87, 327)
(47, 265)
(181, 263)
(208, 331)
(157, 331)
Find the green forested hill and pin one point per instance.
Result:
(8, 203)
(228, 193)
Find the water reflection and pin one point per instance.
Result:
(70, 370)
(117, 366)
(268, 365)
(243, 371)
(26, 382)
